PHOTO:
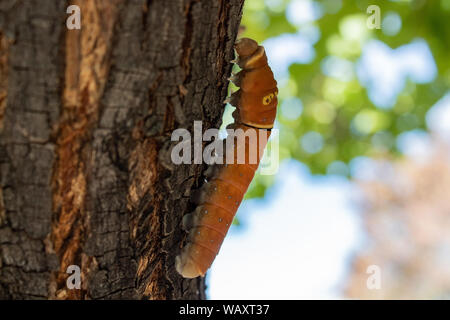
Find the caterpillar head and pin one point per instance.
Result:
(251, 55)
(245, 47)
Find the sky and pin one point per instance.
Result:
(297, 242)
(294, 244)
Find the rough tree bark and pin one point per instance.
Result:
(86, 118)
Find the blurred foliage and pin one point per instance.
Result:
(334, 120)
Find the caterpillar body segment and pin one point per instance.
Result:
(219, 198)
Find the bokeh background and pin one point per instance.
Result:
(364, 178)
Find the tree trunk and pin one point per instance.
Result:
(86, 118)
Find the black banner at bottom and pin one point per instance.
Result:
(223, 309)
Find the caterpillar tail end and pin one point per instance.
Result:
(186, 267)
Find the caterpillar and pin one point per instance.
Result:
(219, 198)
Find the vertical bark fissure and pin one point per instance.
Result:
(86, 70)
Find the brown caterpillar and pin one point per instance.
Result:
(219, 198)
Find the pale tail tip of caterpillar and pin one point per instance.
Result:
(186, 267)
